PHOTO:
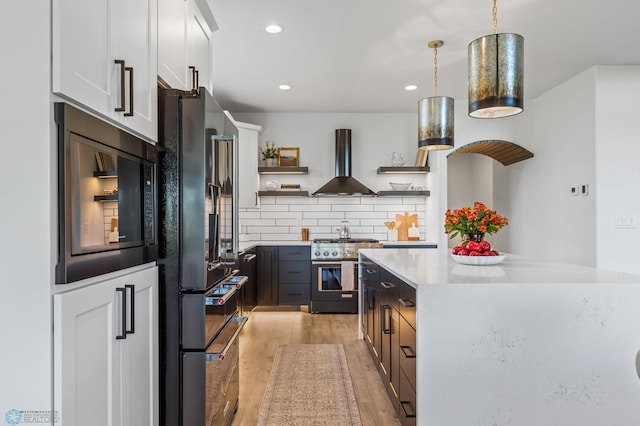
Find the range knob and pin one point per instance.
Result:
(334, 253)
(347, 253)
(325, 253)
(316, 253)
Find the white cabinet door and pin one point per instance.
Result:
(139, 355)
(172, 43)
(82, 42)
(88, 37)
(138, 48)
(100, 379)
(199, 50)
(249, 179)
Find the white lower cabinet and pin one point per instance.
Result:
(106, 352)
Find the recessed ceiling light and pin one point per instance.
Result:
(274, 28)
(285, 87)
(410, 87)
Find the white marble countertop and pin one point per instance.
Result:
(420, 267)
(245, 245)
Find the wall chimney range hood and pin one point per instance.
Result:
(343, 183)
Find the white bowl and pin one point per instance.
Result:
(478, 260)
(399, 186)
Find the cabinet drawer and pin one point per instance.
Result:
(389, 289)
(294, 272)
(368, 270)
(407, 353)
(294, 253)
(408, 406)
(407, 303)
(294, 294)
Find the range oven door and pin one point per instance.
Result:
(330, 282)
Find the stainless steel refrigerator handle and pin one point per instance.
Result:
(249, 257)
(213, 300)
(221, 355)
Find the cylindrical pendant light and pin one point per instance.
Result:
(435, 114)
(496, 74)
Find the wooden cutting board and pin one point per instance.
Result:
(405, 221)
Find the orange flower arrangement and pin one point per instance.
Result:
(478, 219)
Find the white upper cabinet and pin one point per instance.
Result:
(172, 42)
(89, 37)
(199, 49)
(184, 45)
(249, 179)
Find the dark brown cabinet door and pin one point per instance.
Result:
(267, 275)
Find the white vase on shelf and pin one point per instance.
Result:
(270, 162)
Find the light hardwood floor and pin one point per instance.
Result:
(265, 331)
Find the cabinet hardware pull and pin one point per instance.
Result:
(197, 85)
(193, 76)
(123, 319)
(132, 311)
(411, 354)
(410, 414)
(407, 303)
(128, 71)
(386, 325)
(122, 72)
(370, 305)
(371, 271)
(386, 285)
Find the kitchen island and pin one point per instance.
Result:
(519, 343)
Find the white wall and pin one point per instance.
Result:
(617, 168)
(546, 221)
(374, 138)
(27, 215)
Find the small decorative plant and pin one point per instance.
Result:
(269, 150)
(470, 221)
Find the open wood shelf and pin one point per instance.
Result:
(403, 169)
(403, 193)
(103, 198)
(283, 193)
(283, 170)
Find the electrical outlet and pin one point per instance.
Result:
(574, 190)
(625, 222)
(584, 189)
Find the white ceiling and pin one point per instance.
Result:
(358, 55)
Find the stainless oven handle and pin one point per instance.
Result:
(221, 355)
(213, 300)
(315, 262)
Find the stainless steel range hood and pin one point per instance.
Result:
(343, 183)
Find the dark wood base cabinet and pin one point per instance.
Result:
(389, 328)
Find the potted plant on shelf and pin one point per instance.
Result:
(269, 154)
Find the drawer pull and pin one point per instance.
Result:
(386, 285)
(411, 354)
(407, 303)
(411, 413)
(386, 324)
(371, 271)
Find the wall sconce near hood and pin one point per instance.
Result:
(435, 114)
(496, 73)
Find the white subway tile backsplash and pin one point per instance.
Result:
(280, 218)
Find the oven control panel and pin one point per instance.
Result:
(339, 251)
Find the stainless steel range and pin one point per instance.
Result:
(334, 277)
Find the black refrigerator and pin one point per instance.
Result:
(198, 260)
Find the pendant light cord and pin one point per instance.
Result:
(435, 71)
(495, 16)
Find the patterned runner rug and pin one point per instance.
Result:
(309, 385)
